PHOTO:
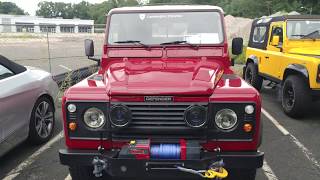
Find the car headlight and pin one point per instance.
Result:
(120, 115)
(226, 119)
(195, 116)
(249, 109)
(72, 108)
(94, 118)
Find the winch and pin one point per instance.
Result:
(144, 149)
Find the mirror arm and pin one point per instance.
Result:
(95, 59)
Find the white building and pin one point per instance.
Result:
(35, 24)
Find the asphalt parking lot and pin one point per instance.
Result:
(66, 51)
(291, 148)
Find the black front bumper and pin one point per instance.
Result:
(120, 167)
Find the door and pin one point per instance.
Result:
(274, 54)
(12, 105)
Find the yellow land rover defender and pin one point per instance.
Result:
(286, 51)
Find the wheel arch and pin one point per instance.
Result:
(253, 59)
(47, 95)
(296, 69)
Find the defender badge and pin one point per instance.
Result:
(158, 98)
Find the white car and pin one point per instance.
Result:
(27, 104)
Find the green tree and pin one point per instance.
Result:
(10, 8)
(57, 9)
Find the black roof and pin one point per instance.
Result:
(268, 20)
(16, 68)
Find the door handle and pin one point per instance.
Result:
(267, 57)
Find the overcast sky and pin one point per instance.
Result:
(31, 6)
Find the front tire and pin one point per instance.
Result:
(242, 174)
(251, 75)
(42, 121)
(296, 96)
(85, 173)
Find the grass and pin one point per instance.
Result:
(240, 59)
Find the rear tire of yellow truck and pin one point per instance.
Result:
(85, 173)
(251, 75)
(296, 96)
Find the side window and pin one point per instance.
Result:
(5, 72)
(277, 31)
(259, 34)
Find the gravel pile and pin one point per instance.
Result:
(238, 27)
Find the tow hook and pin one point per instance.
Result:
(99, 165)
(215, 171)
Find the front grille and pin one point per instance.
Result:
(156, 120)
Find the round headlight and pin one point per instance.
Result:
(249, 109)
(72, 108)
(120, 115)
(226, 119)
(94, 118)
(195, 116)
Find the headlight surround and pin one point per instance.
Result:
(195, 116)
(94, 118)
(226, 119)
(120, 115)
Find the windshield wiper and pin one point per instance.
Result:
(133, 42)
(180, 42)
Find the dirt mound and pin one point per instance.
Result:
(238, 27)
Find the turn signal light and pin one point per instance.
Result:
(247, 127)
(72, 126)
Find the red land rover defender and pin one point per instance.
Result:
(164, 102)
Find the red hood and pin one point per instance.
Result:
(163, 77)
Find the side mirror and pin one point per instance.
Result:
(89, 50)
(275, 41)
(237, 46)
(89, 47)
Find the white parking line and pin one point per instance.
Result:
(16, 171)
(307, 153)
(68, 177)
(268, 171)
(275, 122)
(65, 67)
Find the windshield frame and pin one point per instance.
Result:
(300, 39)
(109, 16)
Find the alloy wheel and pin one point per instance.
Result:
(44, 119)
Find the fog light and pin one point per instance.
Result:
(72, 126)
(120, 115)
(195, 116)
(247, 127)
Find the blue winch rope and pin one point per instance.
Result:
(165, 151)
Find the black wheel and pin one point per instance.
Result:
(42, 121)
(242, 174)
(251, 75)
(85, 173)
(296, 96)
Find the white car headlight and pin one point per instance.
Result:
(226, 119)
(94, 118)
(72, 108)
(249, 109)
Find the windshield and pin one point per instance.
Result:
(303, 29)
(158, 28)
